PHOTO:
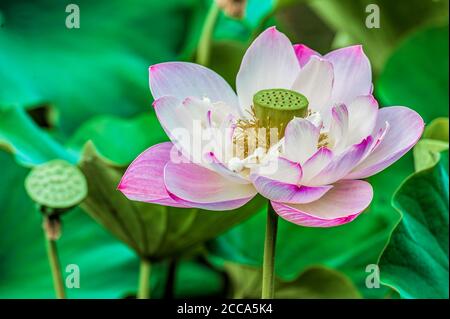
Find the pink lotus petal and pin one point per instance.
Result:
(288, 193)
(303, 53)
(352, 73)
(269, 62)
(220, 112)
(315, 81)
(176, 121)
(143, 181)
(341, 165)
(339, 127)
(362, 112)
(223, 170)
(214, 206)
(379, 136)
(282, 170)
(315, 164)
(342, 204)
(196, 186)
(184, 79)
(179, 120)
(197, 109)
(301, 138)
(405, 129)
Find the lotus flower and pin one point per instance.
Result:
(329, 134)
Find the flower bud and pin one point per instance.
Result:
(233, 8)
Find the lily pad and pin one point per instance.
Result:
(416, 261)
(315, 282)
(155, 232)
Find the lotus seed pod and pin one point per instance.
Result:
(275, 108)
(56, 185)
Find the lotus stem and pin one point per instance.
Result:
(268, 278)
(204, 45)
(144, 279)
(51, 232)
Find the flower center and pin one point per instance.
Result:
(272, 110)
(275, 108)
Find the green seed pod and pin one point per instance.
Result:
(274, 108)
(56, 186)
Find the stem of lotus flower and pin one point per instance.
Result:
(204, 45)
(144, 279)
(51, 231)
(268, 278)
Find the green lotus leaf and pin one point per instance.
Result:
(437, 129)
(110, 134)
(20, 135)
(411, 78)
(435, 140)
(226, 57)
(427, 153)
(415, 262)
(348, 19)
(98, 68)
(315, 282)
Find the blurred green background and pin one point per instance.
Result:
(60, 88)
